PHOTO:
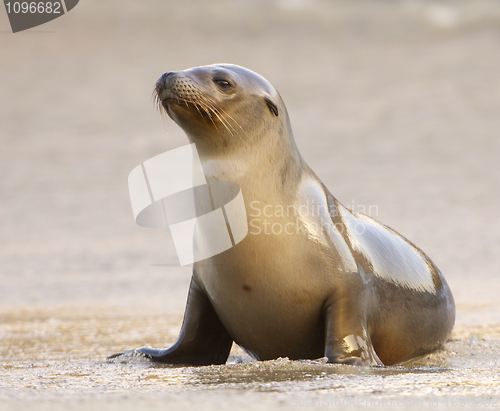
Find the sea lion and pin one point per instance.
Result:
(312, 278)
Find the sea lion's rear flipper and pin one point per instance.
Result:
(203, 340)
(346, 338)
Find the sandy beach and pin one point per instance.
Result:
(394, 104)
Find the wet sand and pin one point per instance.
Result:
(394, 105)
(55, 359)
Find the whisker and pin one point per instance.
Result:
(221, 120)
(221, 116)
(238, 124)
(198, 107)
(227, 124)
(212, 119)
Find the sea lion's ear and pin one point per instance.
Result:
(272, 105)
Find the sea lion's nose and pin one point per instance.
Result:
(162, 81)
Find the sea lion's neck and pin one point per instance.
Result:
(269, 167)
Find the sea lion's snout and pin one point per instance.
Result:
(162, 81)
(180, 96)
(177, 87)
(161, 85)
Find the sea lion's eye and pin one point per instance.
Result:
(273, 108)
(223, 84)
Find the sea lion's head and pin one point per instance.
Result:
(223, 107)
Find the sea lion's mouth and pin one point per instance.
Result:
(178, 101)
(196, 107)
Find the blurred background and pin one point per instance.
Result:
(394, 103)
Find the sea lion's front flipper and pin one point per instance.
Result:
(203, 340)
(346, 338)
